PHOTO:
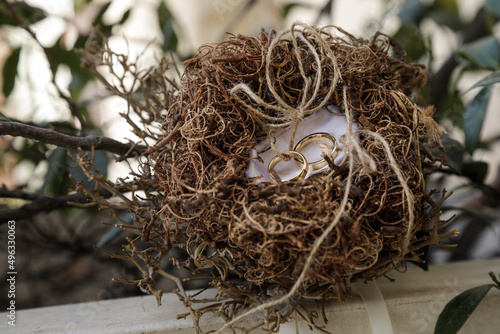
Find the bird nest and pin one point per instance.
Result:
(363, 214)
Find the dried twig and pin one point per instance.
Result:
(50, 136)
(41, 203)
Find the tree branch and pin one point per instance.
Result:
(50, 136)
(41, 203)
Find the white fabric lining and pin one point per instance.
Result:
(328, 120)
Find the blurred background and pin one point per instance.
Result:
(43, 83)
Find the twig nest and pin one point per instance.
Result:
(354, 219)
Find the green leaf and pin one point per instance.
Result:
(493, 6)
(445, 12)
(459, 309)
(98, 19)
(455, 76)
(474, 116)
(166, 22)
(446, 18)
(495, 279)
(7, 20)
(9, 72)
(475, 170)
(451, 109)
(170, 40)
(80, 5)
(111, 233)
(80, 75)
(411, 40)
(56, 181)
(27, 13)
(4, 118)
(60, 55)
(61, 126)
(491, 79)
(33, 150)
(412, 11)
(484, 52)
(449, 5)
(105, 28)
(114, 231)
(124, 17)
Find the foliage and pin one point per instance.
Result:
(462, 112)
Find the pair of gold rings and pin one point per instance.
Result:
(299, 157)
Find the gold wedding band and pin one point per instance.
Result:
(316, 165)
(290, 155)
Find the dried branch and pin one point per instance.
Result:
(41, 203)
(50, 136)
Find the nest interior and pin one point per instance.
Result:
(355, 221)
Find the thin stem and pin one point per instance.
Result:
(41, 203)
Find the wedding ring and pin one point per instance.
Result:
(287, 156)
(315, 137)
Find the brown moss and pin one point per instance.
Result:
(356, 221)
(268, 230)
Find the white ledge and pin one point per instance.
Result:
(414, 302)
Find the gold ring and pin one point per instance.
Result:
(316, 165)
(289, 154)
